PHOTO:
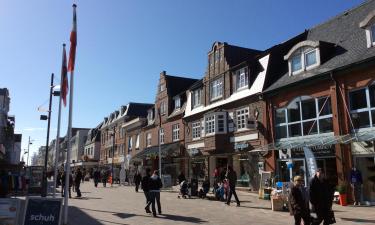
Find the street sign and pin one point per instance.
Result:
(43, 211)
(9, 211)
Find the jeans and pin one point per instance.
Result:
(232, 190)
(154, 196)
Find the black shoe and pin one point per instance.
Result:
(154, 215)
(148, 211)
(227, 203)
(238, 205)
(159, 212)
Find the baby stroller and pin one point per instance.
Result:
(185, 190)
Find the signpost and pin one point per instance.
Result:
(43, 211)
(9, 211)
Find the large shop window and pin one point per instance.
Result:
(304, 116)
(215, 123)
(362, 107)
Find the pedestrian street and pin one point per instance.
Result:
(121, 205)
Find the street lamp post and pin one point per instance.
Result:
(28, 151)
(113, 152)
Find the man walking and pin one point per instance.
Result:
(232, 177)
(146, 189)
(356, 183)
(321, 197)
(154, 186)
(63, 184)
(77, 182)
(96, 177)
(299, 202)
(137, 180)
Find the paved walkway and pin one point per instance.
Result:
(122, 205)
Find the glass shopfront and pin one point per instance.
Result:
(246, 167)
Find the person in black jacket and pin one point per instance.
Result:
(232, 177)
(145, 187)
(137, 180)
(77, 182)
(154, 187)
(299, 202)
(321, 197)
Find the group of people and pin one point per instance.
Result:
(75, 179)
(225, 184)
(151, 185)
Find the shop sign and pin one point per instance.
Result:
(319, 151)
(194, 152)
(363, 148)
(9, 211)
(240, 146)
(46, 211)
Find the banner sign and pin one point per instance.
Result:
(310, 160)
(43, 211)
(9, 211)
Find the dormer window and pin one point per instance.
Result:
(217, 89)
(303, 56)
(242, 79)
(196, 97)
(177, 103)
(368, 24)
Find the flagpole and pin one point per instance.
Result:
(72, 52)
(57, 147)
(67, 163)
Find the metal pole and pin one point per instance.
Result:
(113, 152)
(28, 151)
(44, 190)
(160, 170)
(67, 163)
(57, 146)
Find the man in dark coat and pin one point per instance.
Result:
(356, 183)
(146, 189)
(232, 177)
(154, 185)
(299, 202)
(137, 180)
(321, 197)
(77, 182)
(96, 177)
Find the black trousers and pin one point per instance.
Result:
(63, 191)
(299, 217)
(77, 189)
(325, 217)
(154, 196)
(136, 187)
(232, 191)
(148, 202)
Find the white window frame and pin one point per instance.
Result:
(148, 139)
(161, 136)
(176, 132)
(368, 108)
(301, 121)
(197, 97)
(130, 144)
(216, 87)
(163, 108)
(196, 130)
(302, 53)
(177, 103)
(211, 123)
(242, 115)
(242, 79)
(150, 116)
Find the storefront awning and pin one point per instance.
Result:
(172, 150)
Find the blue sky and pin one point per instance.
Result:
(123, 45)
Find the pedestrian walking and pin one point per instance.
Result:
(321, 197)
(146, 189)
(137, 180)
(154, 190)
(104, 176)
(232, 178)
(77, 182)
(96, 177)
(356, 183)
(63, 184)
(181, 177)
(299, 202)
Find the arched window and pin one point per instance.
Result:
(304, 116)
(303, 56)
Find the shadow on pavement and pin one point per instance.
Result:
(182, 218)
(358, 220)
(77, 216)
(124, 215)
(256, 207)
(85, 198)
(106, 221)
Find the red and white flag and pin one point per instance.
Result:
(64, 77)
(73, 41)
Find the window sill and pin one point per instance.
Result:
(242, 88)
(196, 139)
(216, 98)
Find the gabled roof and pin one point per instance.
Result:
(176, 85)
(235, 55)
(349, 41)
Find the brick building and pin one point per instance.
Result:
(324, 101)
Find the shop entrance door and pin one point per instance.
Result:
(367, 167)
(291, 168)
